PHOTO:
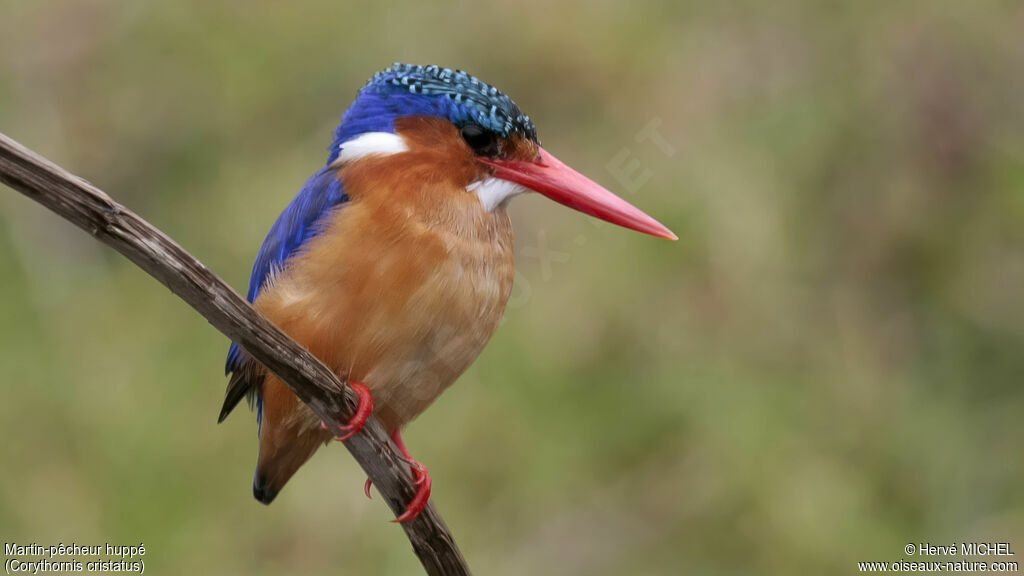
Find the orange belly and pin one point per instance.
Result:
(402, 300)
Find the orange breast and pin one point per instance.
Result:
(401, 291)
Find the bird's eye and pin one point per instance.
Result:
(482, 141)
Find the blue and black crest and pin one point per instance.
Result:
(481, 103)
(407, 90)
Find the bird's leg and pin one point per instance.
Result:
(422, 482)
(362, 414)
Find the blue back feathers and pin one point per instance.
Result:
(401, 90)
(300, 222)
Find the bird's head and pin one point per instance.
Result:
(471, 132)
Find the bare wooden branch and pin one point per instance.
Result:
(92, 210)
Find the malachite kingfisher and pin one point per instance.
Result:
(394, 262)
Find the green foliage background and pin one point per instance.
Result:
(826, 366)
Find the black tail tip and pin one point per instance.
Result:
(262, 490)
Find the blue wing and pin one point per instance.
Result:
(301, 221)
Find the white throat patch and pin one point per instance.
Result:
(369, 144)
(494, 192)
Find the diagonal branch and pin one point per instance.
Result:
(92, 210)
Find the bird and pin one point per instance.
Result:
(394, 262)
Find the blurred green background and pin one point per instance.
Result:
(826, 366)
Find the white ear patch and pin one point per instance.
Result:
(369, 144)
(494, 192)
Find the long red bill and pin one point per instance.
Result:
(552, 178)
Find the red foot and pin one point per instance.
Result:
(363, 413)
(422, 481)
